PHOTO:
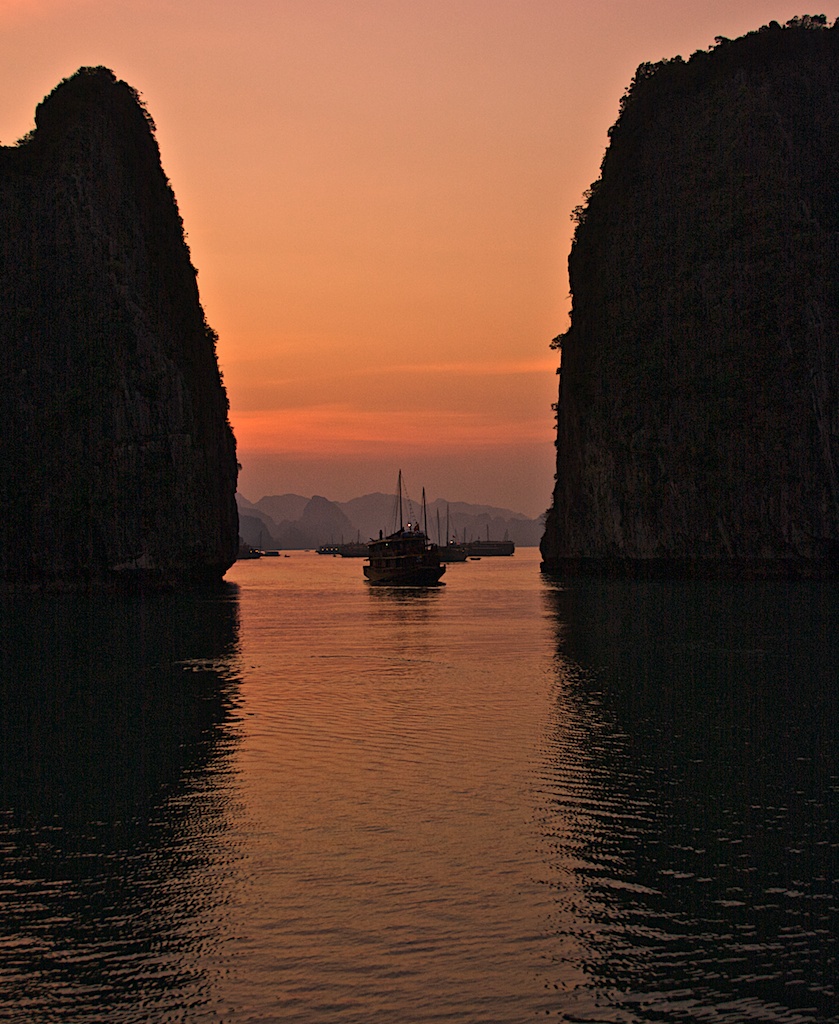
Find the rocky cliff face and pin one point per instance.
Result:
(118, 459)
(698, 417)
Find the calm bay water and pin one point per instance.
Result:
(305, 799)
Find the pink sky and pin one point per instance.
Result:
(377, 196)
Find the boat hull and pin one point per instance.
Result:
(415, 576)
(491, 548)
(453, 553)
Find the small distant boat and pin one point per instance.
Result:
(270, 554)
(451, 551)
(405, 558)
(356, 549)
(490, 548)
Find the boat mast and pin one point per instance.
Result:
(399, 485)
(424, 515)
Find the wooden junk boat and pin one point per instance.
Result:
(405, 558)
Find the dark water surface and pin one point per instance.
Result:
(503, 800)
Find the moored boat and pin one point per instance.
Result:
(246, 551)
(355, 549)
(491, 547)
(451, 551)
(405, 558)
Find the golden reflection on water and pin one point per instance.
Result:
(312, 799)
(390, 744)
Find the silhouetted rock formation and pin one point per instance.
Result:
(118, 461)
(698, 418)
(292, 521)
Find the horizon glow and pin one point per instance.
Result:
(377, 199)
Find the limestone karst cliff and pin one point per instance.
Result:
(118, 461)
(698, 416)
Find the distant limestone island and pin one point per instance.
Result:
(698, 404)
(291, 521)
(119, 464)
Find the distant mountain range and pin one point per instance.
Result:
(293, 521)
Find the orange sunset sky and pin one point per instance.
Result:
(377, 197)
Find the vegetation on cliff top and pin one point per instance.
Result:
(674, 77)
